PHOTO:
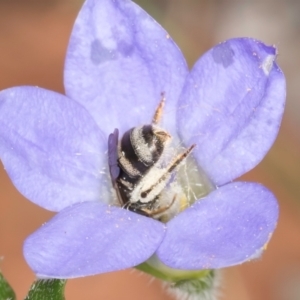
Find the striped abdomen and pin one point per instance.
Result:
(140, 148)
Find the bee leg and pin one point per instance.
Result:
(159, 110)
(169, 169)
(136, 209)
(160, 210)
(126, 205)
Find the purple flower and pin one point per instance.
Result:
(119, 61)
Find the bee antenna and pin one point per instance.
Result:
(159, 110)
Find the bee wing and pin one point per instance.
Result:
(114, 169)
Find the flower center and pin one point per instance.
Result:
(150, 176)
(147, 180)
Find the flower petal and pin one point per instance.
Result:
(51, 148)
(232, 104)
(91, 238)
(230, 226)
(119, 69)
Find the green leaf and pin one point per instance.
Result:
(47, 289)
(6, 292)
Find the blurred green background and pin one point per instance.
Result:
(33, 40)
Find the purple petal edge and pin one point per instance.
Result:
(230, 226)
(231, 107)
(51, 148)
(119, 69)
(91, 238)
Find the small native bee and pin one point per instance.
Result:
(136, 167)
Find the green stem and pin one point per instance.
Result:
(6, 292)
(47, 289)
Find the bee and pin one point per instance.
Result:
(137, 168)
